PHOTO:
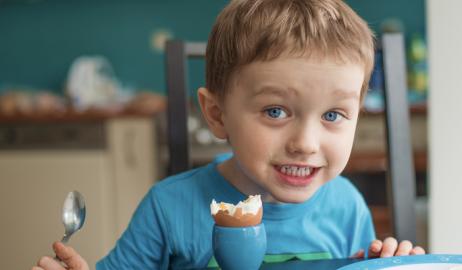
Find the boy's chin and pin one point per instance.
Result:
(292, 198)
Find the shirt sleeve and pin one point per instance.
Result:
(143, 245)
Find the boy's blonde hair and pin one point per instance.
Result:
(262, 30)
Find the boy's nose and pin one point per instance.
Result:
(304, 141)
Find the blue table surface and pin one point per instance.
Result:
(370, 264)
(428, 259)
(308, 265)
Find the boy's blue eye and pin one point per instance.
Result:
(331, 116)
(276, 112)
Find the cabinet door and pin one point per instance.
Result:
(33, 185)
(134, 163)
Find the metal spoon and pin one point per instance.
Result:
(73, 214)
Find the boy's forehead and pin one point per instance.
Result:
(312, 57)
(289, 77)
(261, 72)
(313, 52)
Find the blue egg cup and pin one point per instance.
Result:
(239, 247)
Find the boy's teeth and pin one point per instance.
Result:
(295, 171)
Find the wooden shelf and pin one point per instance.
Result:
(71, 116)
(377, 162)
(359, 162)
(415, 109)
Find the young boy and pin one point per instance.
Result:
(285, 80)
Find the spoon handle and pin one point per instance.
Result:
(65, 238)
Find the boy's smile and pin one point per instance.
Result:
(296, 175)
(290, 122)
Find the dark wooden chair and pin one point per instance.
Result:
(401, 175)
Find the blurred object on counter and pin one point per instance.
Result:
(159, 38)
(417, 71)
(14, 102)
(198, 130)
(92, 91)
(22, 105)
(417, 68)
(47, 103)
(204, 136)
(146, 103)
(374, 100)
(91, 83)
(392, 25)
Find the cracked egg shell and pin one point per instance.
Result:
(223, 218)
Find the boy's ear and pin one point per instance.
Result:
(212, 111)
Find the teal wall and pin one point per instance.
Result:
(39, 39)
(410, 12)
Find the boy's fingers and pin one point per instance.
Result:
(63, 252)
(404, 248)
(358, 255)
(69, 256)
(49, 264)
(37, 268)
(375, 248)
(390, 245)
(417, 251)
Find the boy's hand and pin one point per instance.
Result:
(72, 260)
(390, 247)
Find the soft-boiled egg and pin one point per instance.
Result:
(246, 213)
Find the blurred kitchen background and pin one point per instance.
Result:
(83, 99)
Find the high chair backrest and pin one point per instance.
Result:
(400, 173)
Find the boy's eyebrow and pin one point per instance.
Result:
(272, 90)
(346, 94)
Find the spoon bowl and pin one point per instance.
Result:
(73, 215)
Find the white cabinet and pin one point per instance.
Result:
(112, 178)
(445, 131)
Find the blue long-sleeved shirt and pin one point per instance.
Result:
(172, 226)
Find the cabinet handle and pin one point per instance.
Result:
(129, 149)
